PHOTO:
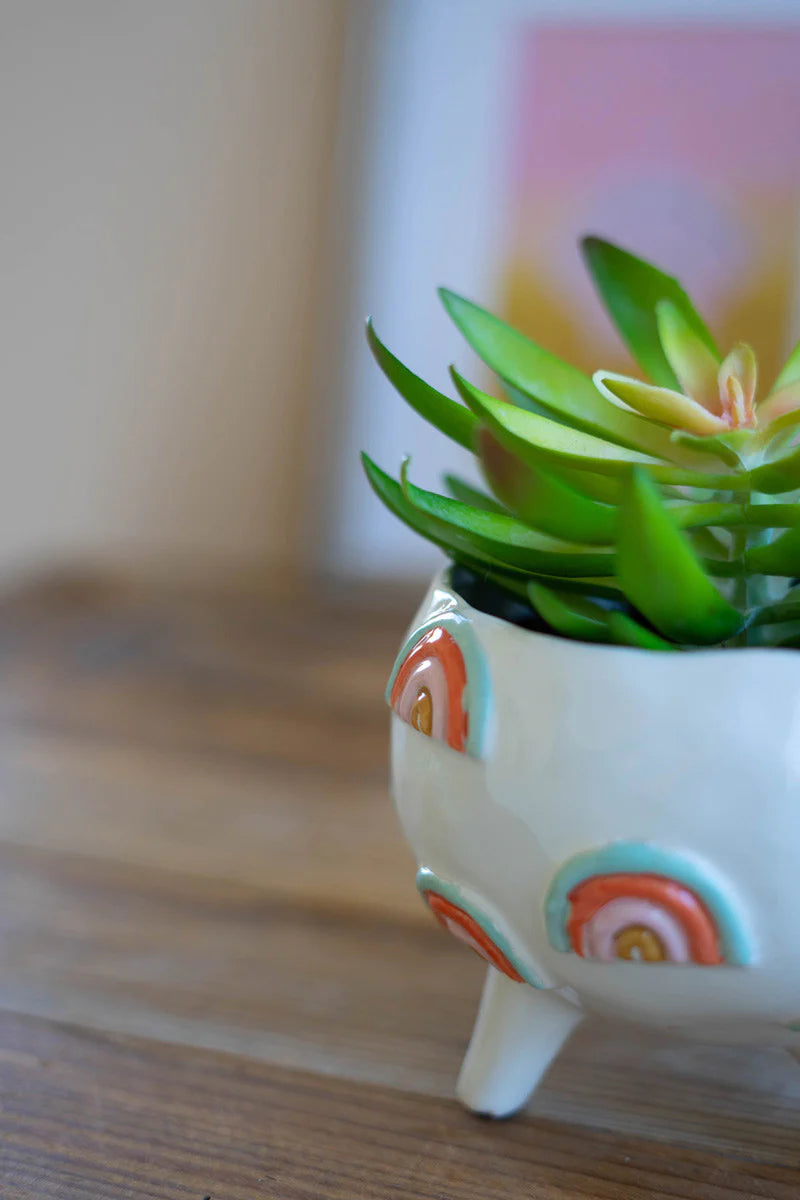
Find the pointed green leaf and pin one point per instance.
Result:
(566, 392)
(730, 447)
(506, 539)
(573, 616)
(627, 632)
(660, 404)
(631, 288)
(710, 547)
(790, 372)
(781, 557)
(775, 439)
(459, 546)
(534, 438)
(782, 633)
(502, 541)
(580, 618)
(697, 516)
(515, 585)
(661, 575)
(787, 609)
(603, 589)
(732, 516)
(778, 623)
(459, 489)
(780, 475)
(605, 489)
(523, 400)
(447, 415)
(696, 366)
(771, 516)
(780, 409)
(542, 499)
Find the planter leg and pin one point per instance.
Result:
(518, 1032)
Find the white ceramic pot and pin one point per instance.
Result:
(616, 831)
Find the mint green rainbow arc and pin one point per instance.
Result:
(509, 944)
(612, 521)
(735, 936)
(478, 697)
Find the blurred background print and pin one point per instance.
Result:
(203, 200)
(682, 143)
(668, 127)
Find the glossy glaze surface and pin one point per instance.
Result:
(677, 777)
(440, 684)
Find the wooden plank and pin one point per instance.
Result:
(196, 847)
(91, 1117)
(214, 735)
(226, 966)
(304, 834)
(225, 676)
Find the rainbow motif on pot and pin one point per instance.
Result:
(636, 902)
(440, 684)
(472, 921)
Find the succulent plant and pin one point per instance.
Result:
(660, 514)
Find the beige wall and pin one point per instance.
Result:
(164, 165)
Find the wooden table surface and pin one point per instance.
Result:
(216, 978)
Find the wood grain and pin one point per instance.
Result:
(84, 1115)
(215, 976)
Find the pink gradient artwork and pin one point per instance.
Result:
(683, 144)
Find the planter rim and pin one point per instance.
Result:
(443, 580)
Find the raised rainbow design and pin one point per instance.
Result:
(637, 902)
(440, 684)
(468, 918)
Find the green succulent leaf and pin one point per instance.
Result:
(616, 527)
(699, 516)
(730, 447)
(460, 548)
(732, 516)
(604, 489)
(584, 620)
(461, 490)
(781, 557)
(566, 392)
(660, 404)
(573, 616)
(715, 549)
(543, 500)
(450, 417)
(780, 475)
(696, 366)
(625, 631)
(602, 589)
(533, 438)
(523, 400)
(661, 575)
(790, 371)
(498, 540)
(787, 609)
(516, 585)
(506, 539)
(771, 425)
(631, 288)
(771, 516)
(784, 633)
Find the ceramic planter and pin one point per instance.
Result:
(616, 831)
